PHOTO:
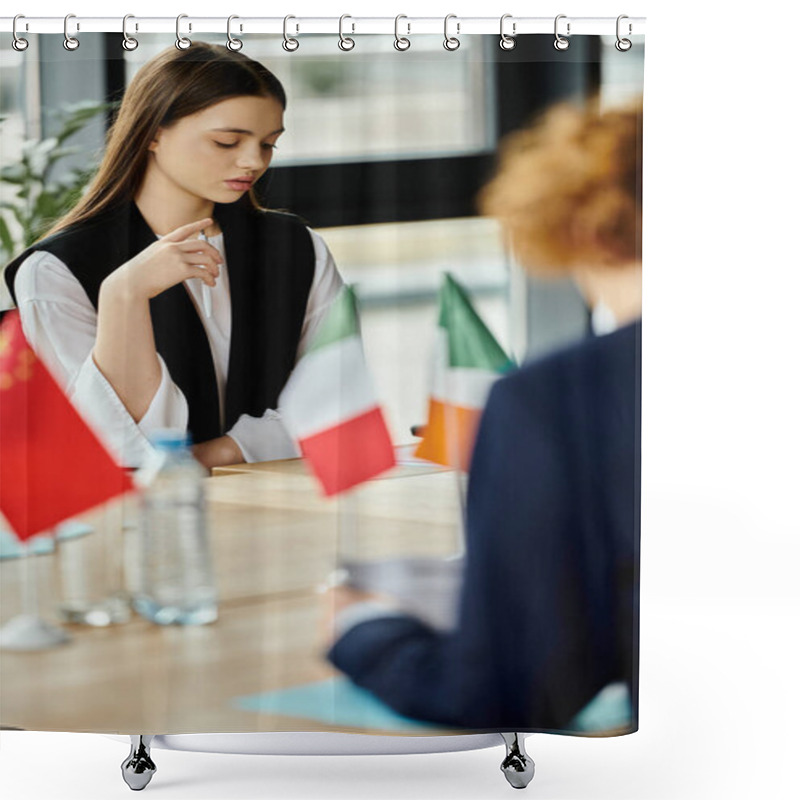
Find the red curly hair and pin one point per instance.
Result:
(568, 188)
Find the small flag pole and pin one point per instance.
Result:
(347, 534)
(28, 631)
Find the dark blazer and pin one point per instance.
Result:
(549, 606)
(270, 261)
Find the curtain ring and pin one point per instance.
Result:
(345, 42)
(400, 42)
(181, 42)
(233, 44)
(621, 44)
(451, 42)
(70, 42)
(128, 42)
(289, 43)
(507, 42)
(560, 42)
(19, 44)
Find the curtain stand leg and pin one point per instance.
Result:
(138, 768)
(517, 766)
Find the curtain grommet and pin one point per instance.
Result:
(290, 44)
(507, 42)
(346, 43)
(128, 42)
(181, 42)
(233, 44)
(70, 42)
(19, 44)
(401, 43)
(451, 43)
(623, 45)
(561, 43)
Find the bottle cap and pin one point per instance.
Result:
(171, 439)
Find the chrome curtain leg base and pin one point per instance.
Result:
(517, 766)
(138, 768)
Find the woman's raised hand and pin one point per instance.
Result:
(171, 260)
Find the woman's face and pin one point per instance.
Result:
(219, 152)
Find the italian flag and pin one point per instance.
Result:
(329, 405)
(467, 361)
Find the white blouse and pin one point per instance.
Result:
(60, 323)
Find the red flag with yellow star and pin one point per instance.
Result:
(52, 466)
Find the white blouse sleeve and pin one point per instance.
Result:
(265, 438)
(60, 324)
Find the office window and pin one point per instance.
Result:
(372, 103)
(621, 71)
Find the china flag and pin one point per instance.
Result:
(52, 466)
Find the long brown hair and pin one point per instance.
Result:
(172, 85)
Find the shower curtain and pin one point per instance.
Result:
(429, 520)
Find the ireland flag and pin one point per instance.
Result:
(329, 405)
(467, 361)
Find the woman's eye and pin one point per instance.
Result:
(268, 146)
(226, 146)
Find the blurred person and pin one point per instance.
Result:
(146, 323)
(548, 612)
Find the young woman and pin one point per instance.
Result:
(167, 297)
(549, 605)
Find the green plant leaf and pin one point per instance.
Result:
(6, 241)
(14, 173)
(77, 115)
(38, 200)
(18, 214)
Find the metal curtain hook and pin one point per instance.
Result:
(400, 42)
(19, 44)
(233, 44)
(128, 42)
(289, 43)
(451, 42)
(345, 42)
(70, 42)
(623, 44)
(507, 42)
(560, 42)
(181, 42)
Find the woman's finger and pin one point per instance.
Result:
(197, 246)
(179, 234)
(205, 264)
(200, 258)
(205, 275)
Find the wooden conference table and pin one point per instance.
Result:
(274, 541)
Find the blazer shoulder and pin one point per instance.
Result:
(589, 358)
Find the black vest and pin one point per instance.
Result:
(270, 261)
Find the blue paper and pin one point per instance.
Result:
(335, 701)
(40, 545)
(609, 709)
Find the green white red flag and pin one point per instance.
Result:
(330, 408)
(52, 465)
(467, 361)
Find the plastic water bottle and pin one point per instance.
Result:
(176, 581)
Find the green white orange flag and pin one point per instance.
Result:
(467, 361)
(330, 408)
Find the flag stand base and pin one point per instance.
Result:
(27, 632)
